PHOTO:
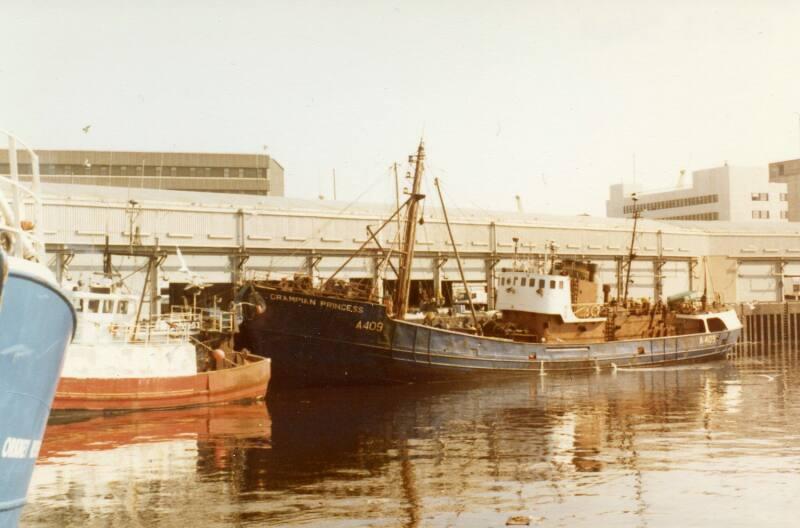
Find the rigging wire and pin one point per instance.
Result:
(302, 246)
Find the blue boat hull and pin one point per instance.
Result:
(317, 341)
(36, 324)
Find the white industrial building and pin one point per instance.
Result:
(732, 194)
(225, 238)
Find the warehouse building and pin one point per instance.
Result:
(256, 174)
(227, 239)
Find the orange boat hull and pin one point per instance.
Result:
(245, 382)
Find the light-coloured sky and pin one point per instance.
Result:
(546, 99)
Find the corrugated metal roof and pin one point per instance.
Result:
(236, 201)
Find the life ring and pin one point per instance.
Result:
(594, 311)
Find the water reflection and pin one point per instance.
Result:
(696, 446)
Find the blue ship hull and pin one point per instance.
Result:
(36, 324)
(318, 341)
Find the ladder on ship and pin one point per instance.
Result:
(611, 326)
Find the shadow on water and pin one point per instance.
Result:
(614, 448)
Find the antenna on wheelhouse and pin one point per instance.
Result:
(407, 257)
(552, 247)
(516, 246)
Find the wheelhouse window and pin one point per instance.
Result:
(552, 285)
(541, 283)
(715, 324)
(523, 282)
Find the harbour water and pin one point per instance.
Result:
(708, 445)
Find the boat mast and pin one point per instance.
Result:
(631, 254)
(404, 277)
(458, 259)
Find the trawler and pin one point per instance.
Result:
(119, 361)
(36, 324)
(338, 333)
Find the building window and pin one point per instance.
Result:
(226, 172)
(541, 283)
(761, 214)
(784, 215)
(670, 204)
(523, 282)
(552, 285)
(123, 170)
(241, 173)
(158, 171)
(696, 216)
(784, 197)
(192, 172)
(759, 197)
(173, 171)
(208, 172)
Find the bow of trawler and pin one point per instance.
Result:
(36, 324)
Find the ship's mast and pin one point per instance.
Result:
(631, 253)
(407, 257)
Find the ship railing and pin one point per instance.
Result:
(21, 237)
(163, 329)
(206, 319)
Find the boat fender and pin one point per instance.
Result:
(219, 358)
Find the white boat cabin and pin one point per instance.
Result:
(110, 343)
(525, 291)
(103, 316)
(537, 293)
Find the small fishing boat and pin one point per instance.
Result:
(117, 362)
(548, 321)
(36, 323)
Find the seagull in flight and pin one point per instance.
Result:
(194, 280)
(86, 129)
(770, 378)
